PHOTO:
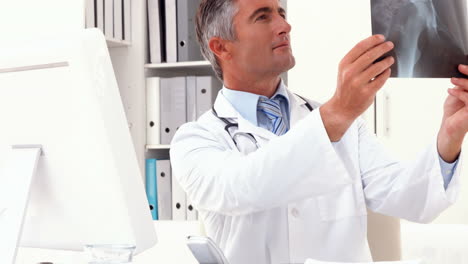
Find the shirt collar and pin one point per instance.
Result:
(246, 103)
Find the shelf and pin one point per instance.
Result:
(158, 147)
(115, 43)
(180, 65)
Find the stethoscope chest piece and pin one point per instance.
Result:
(245, 142)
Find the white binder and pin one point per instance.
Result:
(153, 120)
(192, 213)
(187, 45)
(179, 202)
(171, 30)
(207, 90)
(109, 19)
(127, 20)
(173, 107)
(118, 20)
(163, 172)
(154, 29)
(100, 14)
(90, 18)
(191, 98)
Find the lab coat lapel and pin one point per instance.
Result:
(246, 127)
(298, 108)
(225, 110)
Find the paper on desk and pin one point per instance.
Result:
(311, 261)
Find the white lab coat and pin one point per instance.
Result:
(299, 195)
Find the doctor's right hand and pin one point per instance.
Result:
(359, 79)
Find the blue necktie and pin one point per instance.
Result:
(271, 108)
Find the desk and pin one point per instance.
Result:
(435, 244)
(170, 249)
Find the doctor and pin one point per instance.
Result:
(278, 178)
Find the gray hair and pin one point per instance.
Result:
(215, 19)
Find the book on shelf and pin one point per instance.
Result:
(118, 19)
(127, 20)
(153, 117)
(156, 31)
(164, 189)
(171, 30)
(188, 48)
(109, 19)
(151, 187)
(171, 102)
(112, 17)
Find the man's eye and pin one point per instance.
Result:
(283, 16)
(262, 17)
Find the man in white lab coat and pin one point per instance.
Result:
(278, 178)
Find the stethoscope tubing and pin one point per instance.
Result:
(229, 125)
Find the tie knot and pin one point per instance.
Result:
(272, 109)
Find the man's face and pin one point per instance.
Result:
(262, 46)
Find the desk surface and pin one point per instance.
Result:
(170, 249)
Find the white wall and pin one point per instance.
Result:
(30, 19)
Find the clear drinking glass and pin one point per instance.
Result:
(109, 253)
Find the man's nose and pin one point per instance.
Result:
(282, 26)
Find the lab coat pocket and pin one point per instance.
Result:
(345, 202)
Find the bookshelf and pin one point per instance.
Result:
(129, 60)
(167, 70)
(176, 93)
(113, 18)
(180, 65)
(117, 43)
(190, 100)
(150, 147)
(178, 69)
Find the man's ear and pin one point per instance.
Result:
(221, 48)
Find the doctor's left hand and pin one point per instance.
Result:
(455, 121)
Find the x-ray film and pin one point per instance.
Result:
(430, 36)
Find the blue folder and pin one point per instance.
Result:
(151, 187)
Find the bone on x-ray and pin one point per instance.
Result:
(430, 36)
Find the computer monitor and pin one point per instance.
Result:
(62, 94)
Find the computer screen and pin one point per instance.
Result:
(62, 94)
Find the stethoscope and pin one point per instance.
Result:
(236, 134)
